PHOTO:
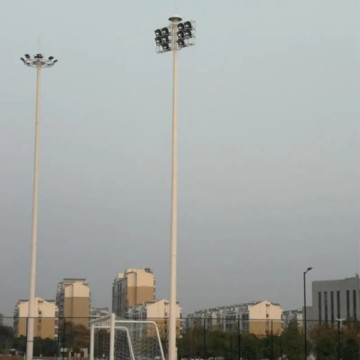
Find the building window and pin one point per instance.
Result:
(347, 304)
(319, 304)
(326, 306)
(354, 305)
(338, 305)
(332, 307)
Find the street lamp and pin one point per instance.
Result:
(174, 37)
(37, 61)
(305, 336)
(339, 322)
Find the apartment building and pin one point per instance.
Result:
(292, 315)
(73, 301)
(258, 318)
(334, 300)
(45, 323)
(96, 313)
(131, 288)
(157, 311)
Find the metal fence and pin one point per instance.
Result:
(198, 338)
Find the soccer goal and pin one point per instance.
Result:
(112, 339)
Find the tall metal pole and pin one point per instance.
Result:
(30, 323)
(305, 327)
(38, 62)
(172, 352)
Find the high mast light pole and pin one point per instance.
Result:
(304, 313)
(174, 37)
(37, 61)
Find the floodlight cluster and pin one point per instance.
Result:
(184, 36)
(38, 60)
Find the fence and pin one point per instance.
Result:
(198, 338)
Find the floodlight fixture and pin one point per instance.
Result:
(181, 43)
(166, 47)
(181, 27)
(188, 34)
(165, 31)
(188, 25)
(165, 39)
(177, 30)
(38, 60)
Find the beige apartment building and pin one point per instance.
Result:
(130, 288)
(45, 323)
(73, 301)
(157, 311)
(264, 318)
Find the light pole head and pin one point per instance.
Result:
(38, 60)
(175, 18)
(309, 268)
(175, 36)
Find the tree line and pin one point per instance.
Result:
(325, 342)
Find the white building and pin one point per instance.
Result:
(259, 318)
(292, 315)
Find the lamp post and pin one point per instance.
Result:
(37, 61)
(305, 335)
(174, 37)
(339, 322)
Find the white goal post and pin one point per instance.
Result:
(112, 339)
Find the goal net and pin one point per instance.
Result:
(112, 339)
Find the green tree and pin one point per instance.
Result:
(270, 347)
(250, 347)
(293, 341)
(193, 343)
(350, 341)
(19, 343)
(75, 337)
(218, 344)
(6, 339)
(324, 339)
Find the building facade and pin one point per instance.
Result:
(73, 301)
(334, 300)
(45, 323)
(292, 315)
(259, 318)
(131, 288)
(157, 311)
(97, 313)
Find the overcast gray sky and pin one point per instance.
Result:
(268, 147)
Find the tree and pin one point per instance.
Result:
(75, 337)
(293, 341)
(250, 347)
(324, 339)
(6, 339)
(218, 344)
(350, 349)
(45, 347)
